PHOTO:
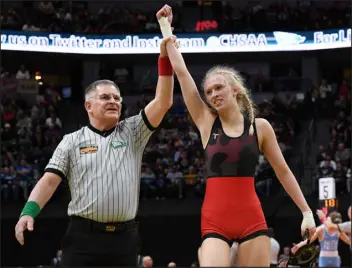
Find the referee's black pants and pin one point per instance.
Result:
(88, 243)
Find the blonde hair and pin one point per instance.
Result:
(235, 79)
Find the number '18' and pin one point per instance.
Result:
(330, 203)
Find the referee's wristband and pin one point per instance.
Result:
(31, 208)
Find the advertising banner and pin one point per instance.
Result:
(188, 43)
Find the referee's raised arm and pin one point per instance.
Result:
(158, 107)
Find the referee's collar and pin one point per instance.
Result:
(103, 133)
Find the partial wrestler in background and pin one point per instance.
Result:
(329, 241)
(275, 249)
(341, 227)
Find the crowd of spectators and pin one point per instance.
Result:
(334, 158)
(72, 17)
(285, 115)
(304, 15)
(173, 163)
(29, 136)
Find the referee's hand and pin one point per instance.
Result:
(25, 222)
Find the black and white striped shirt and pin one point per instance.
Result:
(103, 169)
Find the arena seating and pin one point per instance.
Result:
(61, 17)
(30, 134)
(334, 158)
(173, 160)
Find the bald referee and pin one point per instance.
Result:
(102, 163)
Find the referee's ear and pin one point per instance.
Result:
(88, 105)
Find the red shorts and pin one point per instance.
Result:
(231, 210)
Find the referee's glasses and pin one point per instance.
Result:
(107, 97)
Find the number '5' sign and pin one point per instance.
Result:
(327, 188)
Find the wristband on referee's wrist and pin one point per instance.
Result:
(31, 208)
(164, 66)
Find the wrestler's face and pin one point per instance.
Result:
(105, 103)
(218, 92)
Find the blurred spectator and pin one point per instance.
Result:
(46, 7)
(3, 73)
(160, 184)
(9, 114)
(348, 180)
(327, 168)
(190, 179)
(171, 265)
(322, 154)
(176, 180)
(8, 183)
(147, 262)
(147, 181)
(340, 178)
(285, 254)
(8, 134)
(343, 154)
(53, 121)
(30, 27)
(22, 73)
(25, 176)
(344, 90)
(24, 128)
(193, 134)
(148, 81)
(324, 90)
(56, 262)
(151, 25)
(121, 76)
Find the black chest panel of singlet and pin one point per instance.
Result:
(231, 157)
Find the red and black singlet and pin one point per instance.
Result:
(231, 209)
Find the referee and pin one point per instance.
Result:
(102, 163)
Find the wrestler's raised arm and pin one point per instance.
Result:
(198, 110)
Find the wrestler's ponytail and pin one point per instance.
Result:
(245, 104)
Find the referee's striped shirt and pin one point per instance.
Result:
(103, 169)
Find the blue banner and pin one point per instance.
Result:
(188, 43)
